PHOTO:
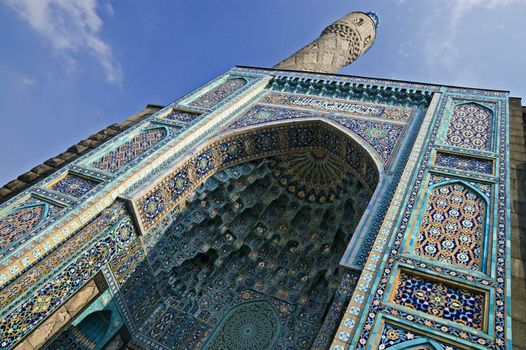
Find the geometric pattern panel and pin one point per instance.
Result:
(67, 251)
(19, 222)
(249, 326)
(123, 263)
(452, 227)
(74, 185)
(484, 187)
(459, 162)
(453, 303)
(470, 127)
(217, 94)
(129, 150)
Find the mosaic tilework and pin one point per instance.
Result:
(42, 303)
(470, 127)
(405, 339)
(335, 314)
(499, 226)
(249, 326)
(273, 140)
(129, 150)
(484, 187)
(55, 289)
(382, 136)
(210, 98)
(74, 185)
(452, 227)
(65, 253)
(459, 162)
(123, 263)
(204, 163)
(339, 106)
(20, 222)
(355, 88)
(17, 225)
(182, 116)
(439, 299)
(177, 329)
(362, 330)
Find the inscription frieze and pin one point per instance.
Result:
(339, 106)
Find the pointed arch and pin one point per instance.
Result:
(483, 106)
(453, 225)
(470, 126)
(271, 150)
(255, 142)
(356, 139)
(90, 333)
(15, 224)
(95, 326)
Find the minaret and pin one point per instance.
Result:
(339, 45)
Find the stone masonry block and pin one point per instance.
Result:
(49, 328)
(29, 177)
(42, 169)
(89, 143)
(67, 156)
(82, 298)
(15, 185)
(517, 268)
(54, 162)
(79, 149)
(4, 192)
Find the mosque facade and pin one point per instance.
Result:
(273, 208)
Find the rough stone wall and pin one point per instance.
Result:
(518, 222)
(339, 45)
(51, 165)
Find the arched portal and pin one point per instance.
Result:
(89, 334)
(271, 225)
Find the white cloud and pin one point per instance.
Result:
(71, 26)
(440, 47)
(27, 81)
(109, 9)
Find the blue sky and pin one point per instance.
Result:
(69, 68)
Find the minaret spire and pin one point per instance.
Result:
(339, 45)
